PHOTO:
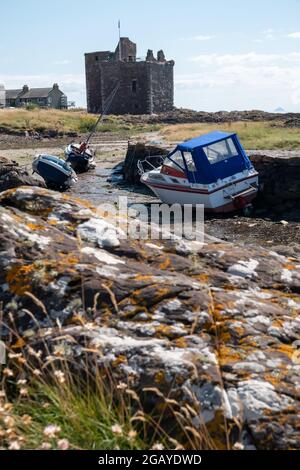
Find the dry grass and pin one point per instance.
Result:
(41, 120)
(253, 135)
(51, 400)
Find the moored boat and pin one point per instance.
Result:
(57, 173)
(213, 170)
(80, 157)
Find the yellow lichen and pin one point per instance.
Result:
(159, 377)
(19, 279)
(34, 227)
(165, 264)
(119, 360)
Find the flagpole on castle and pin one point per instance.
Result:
(120, 52)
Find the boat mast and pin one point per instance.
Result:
(120, 51)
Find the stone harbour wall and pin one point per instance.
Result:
(279, 176)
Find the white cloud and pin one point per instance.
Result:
(269, 34)
(252, 58)
(295, 35)
(200, 37)
(252, 76)
(61, 62)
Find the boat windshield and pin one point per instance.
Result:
(220, 151)
(175, 160)
(189, 161)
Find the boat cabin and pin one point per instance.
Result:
(207, 159)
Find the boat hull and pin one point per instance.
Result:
(227, 198)
(80, 162)
(54, 174)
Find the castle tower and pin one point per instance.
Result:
(146, 86)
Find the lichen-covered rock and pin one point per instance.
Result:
(13, 176)
(214, 326)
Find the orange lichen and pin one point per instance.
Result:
(52, 222)
(159, 377)
(34, 227)
(180, 342)
(289, 267)
(202, 277)
(119, 360)
(165, 264)
(164, 331)
(274, 379)
(67, 259)
(143, 277)
(224, 336)
(228, 354)
(19, 279)
(286, 349)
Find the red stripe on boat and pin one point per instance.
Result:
(183, 189)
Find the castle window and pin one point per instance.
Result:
(134, 86)
(96, 58)
(130, 58)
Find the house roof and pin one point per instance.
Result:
(12, 94)
(37, 93)
(204, 140)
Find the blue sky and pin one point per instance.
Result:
(229, 54)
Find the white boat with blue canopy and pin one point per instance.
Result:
(212, 169)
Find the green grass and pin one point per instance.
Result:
(88, 420)
(253, 135)
(89, 409)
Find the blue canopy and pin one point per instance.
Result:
(204, 140)
(211, 157)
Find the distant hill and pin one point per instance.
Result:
(279, 110)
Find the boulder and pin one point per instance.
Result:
(213, 328)
(13, 176)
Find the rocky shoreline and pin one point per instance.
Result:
(211, 327)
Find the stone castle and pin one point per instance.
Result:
(145, 86)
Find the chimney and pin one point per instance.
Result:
(55, 86)
(25, 88)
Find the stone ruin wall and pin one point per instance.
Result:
(154, 79)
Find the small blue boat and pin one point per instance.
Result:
(57, 173)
